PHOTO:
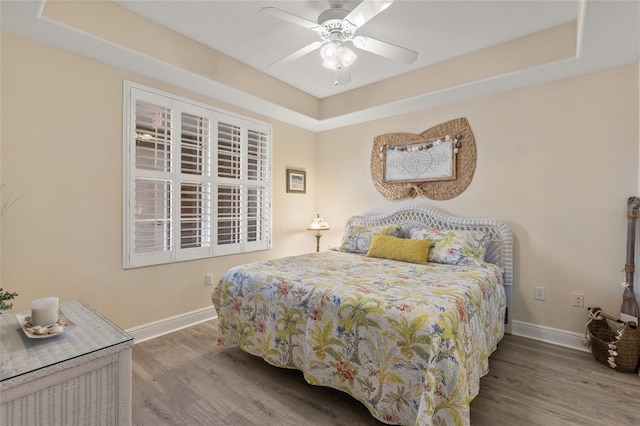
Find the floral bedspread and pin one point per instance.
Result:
(409, 341)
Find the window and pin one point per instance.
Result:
(197, 181)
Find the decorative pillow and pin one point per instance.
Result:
(402, 249)
(454, 247)
(357, 239)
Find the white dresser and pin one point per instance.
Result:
(81, 377)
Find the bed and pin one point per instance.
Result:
(409, 340)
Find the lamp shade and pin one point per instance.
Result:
(318, 224)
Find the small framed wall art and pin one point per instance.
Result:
(296, 181)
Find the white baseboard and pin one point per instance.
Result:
(168, 325)
(551, 335)
(565, 338)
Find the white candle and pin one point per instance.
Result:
(44, 311)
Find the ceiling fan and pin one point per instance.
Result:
(336, 28)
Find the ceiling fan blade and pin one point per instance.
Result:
(278, 13)
(366, 10)
(298, 54)
(385, 49)
(342, 76)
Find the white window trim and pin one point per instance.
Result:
(131, 259)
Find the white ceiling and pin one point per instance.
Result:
(609, 35)
(437, 30)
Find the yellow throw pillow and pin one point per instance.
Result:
(402, 249)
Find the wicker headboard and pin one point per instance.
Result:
(499, 249)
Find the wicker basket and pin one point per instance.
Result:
(619, 347)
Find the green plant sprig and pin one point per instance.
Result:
(6, 295)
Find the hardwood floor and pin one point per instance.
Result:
(184, 378)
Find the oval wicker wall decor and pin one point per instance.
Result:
(465, 162)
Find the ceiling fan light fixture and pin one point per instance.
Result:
(335, 55)
(331, 64)
(329, 51)
(347, 56)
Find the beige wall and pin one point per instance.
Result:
(61, 144)
(556, 162)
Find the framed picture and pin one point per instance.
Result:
(427, 160)
(296, 181)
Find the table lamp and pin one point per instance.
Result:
(318, 224)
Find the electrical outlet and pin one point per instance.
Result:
(208, 279)
(578, 299)
(538, 293)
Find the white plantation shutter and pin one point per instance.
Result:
(243, 191)
(150, 203)
(197, 181)
(258, 234)
(229, 185)
(153, 216)
(153, 136)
